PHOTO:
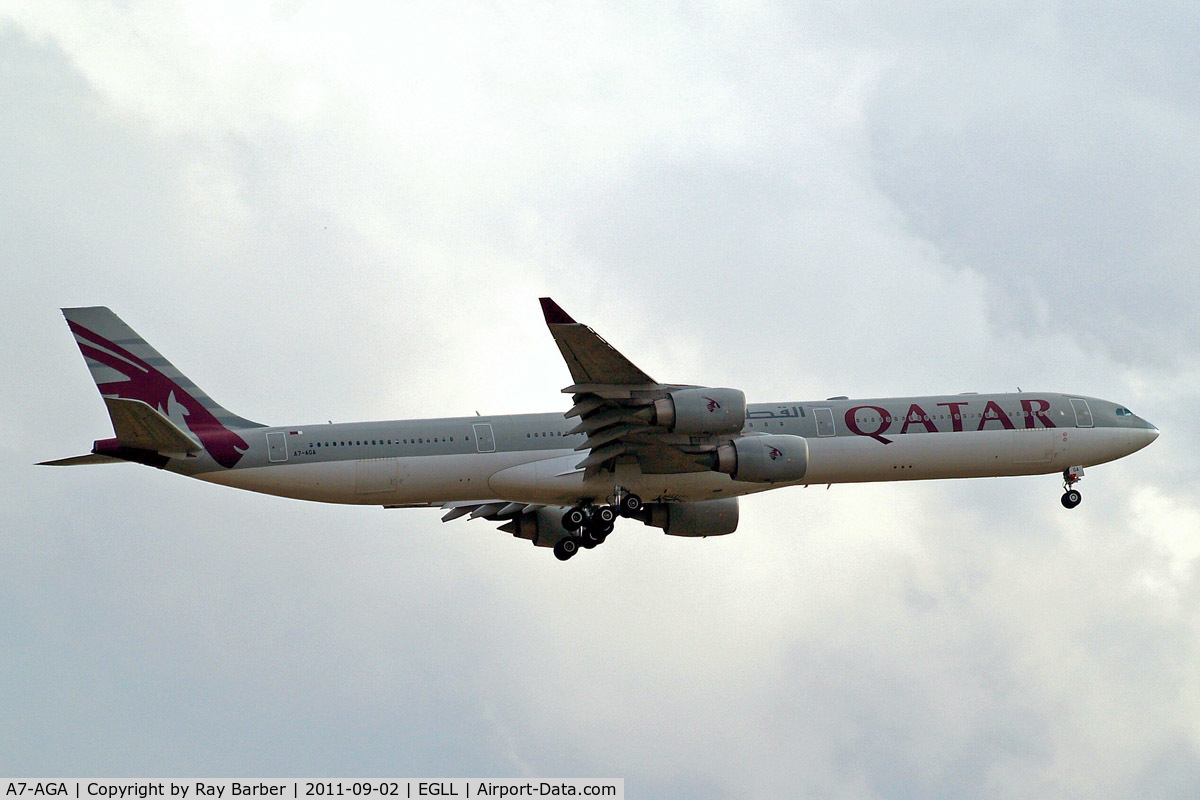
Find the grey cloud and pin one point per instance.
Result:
(797, 205)
(1054, 158)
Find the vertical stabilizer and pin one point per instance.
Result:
(125, 366)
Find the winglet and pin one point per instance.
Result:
(554, 314)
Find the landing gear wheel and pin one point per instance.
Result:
(605, 514)
(1071, 498)
(574, 518)
(565, 548)
(596, 532)
(630, 505)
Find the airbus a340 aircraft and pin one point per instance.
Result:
(674, 456)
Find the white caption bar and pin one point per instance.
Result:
(296, 789)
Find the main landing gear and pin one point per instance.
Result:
(590, 525)
(1071, 496)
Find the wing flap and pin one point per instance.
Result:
(601, 454)
(486, 509)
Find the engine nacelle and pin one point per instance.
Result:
(776, 458)
(543, 527)
(703, 518)
(702, 412)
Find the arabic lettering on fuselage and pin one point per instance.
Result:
(784, 411)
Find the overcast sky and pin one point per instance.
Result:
(347, 211)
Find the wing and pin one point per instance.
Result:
(627, 416)
(538, 523)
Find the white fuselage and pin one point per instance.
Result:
(531, 458)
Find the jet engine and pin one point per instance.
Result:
(543, 527)
(701, 412)
(775, 458)
(703, 518)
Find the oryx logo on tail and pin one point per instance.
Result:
(145, 382)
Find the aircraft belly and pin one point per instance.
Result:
(377, 481)
(1033, 446)
(331, 482)
(1088, 446)
(964, 454)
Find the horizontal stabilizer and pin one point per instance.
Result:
(73, 461)
(139, 426)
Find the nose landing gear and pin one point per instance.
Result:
(1071, 496)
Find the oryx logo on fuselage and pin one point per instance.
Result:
(147, 384)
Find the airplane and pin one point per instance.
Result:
(673, 456)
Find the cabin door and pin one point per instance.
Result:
(277, 446)
(1083, 413)
(485, 442)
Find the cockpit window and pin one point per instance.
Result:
(1124, 412)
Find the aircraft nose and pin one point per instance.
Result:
(1148, 435)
